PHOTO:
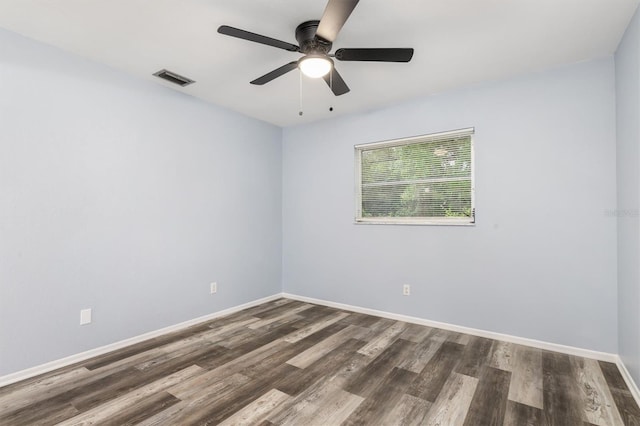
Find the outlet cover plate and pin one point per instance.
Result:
(85, 316)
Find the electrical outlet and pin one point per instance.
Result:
(406, 290)
(85, 316)
(213, 288)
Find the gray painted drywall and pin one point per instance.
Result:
(627, 61)
(541, 261)
(125, 197)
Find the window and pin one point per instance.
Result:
(420, 180)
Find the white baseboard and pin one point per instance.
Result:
(631, 384)
(63, 362)
(570, 350)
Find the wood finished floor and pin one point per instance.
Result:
(292, 363)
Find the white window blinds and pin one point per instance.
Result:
(426, 179)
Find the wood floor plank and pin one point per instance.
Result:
(240, 338)
(366, 381)
(339, 365)
(502, 355)
(612, 375)
(625, 403)
(53, 411)
(382, 324)
(319, 325)
(476, 354)
(195, 404)
(104, 412)
(109, 365)
(317, 313)
(40, 380)
(415, 333)
(250, 349)
(383, 399)
(460, 338)
(222, 408)
(332, 410)
(187, 388)
(424, 351)
(147, 345)
(561, 403)
(93, 394)
(38, 390)
(288, 313)
(266, 335)
(257, 369)
(309, 395)
(526, 377)
(125, 381)
(190, 352)
(383, 340)
(226, 329)
(163, 417)
(130, 379)
(314, 353)
(522, 415)
(441, 335)
(327, 404)
(599, 405)
(258, 410)
(144, 409)
(627, 407)
(489, 401)
(361, 320)
(271, 308)
(435, 374)
(452, 405)
(223, 335)
(409, 411)
(65, 402)
(250, 312)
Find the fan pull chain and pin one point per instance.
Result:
(300, 112)
(331, 86)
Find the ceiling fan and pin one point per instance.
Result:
(315, 39)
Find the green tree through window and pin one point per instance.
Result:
(428, 178)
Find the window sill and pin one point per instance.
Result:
(420, 221)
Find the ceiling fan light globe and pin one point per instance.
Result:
(315, 66)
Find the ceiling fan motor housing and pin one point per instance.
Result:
(309, 42)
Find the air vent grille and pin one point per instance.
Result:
(173, 78)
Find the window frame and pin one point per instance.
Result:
(428, 138)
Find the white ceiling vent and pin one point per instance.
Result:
(173, 78)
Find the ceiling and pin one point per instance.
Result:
(456, 42)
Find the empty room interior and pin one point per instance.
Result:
(320, 212)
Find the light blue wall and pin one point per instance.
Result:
(541, 261)
(129, 198)
(628, 155)
(125, 197)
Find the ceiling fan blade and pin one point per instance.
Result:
(275, 73)
(335, 15)
(379, 55)
(257, 38)
(336, 83)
